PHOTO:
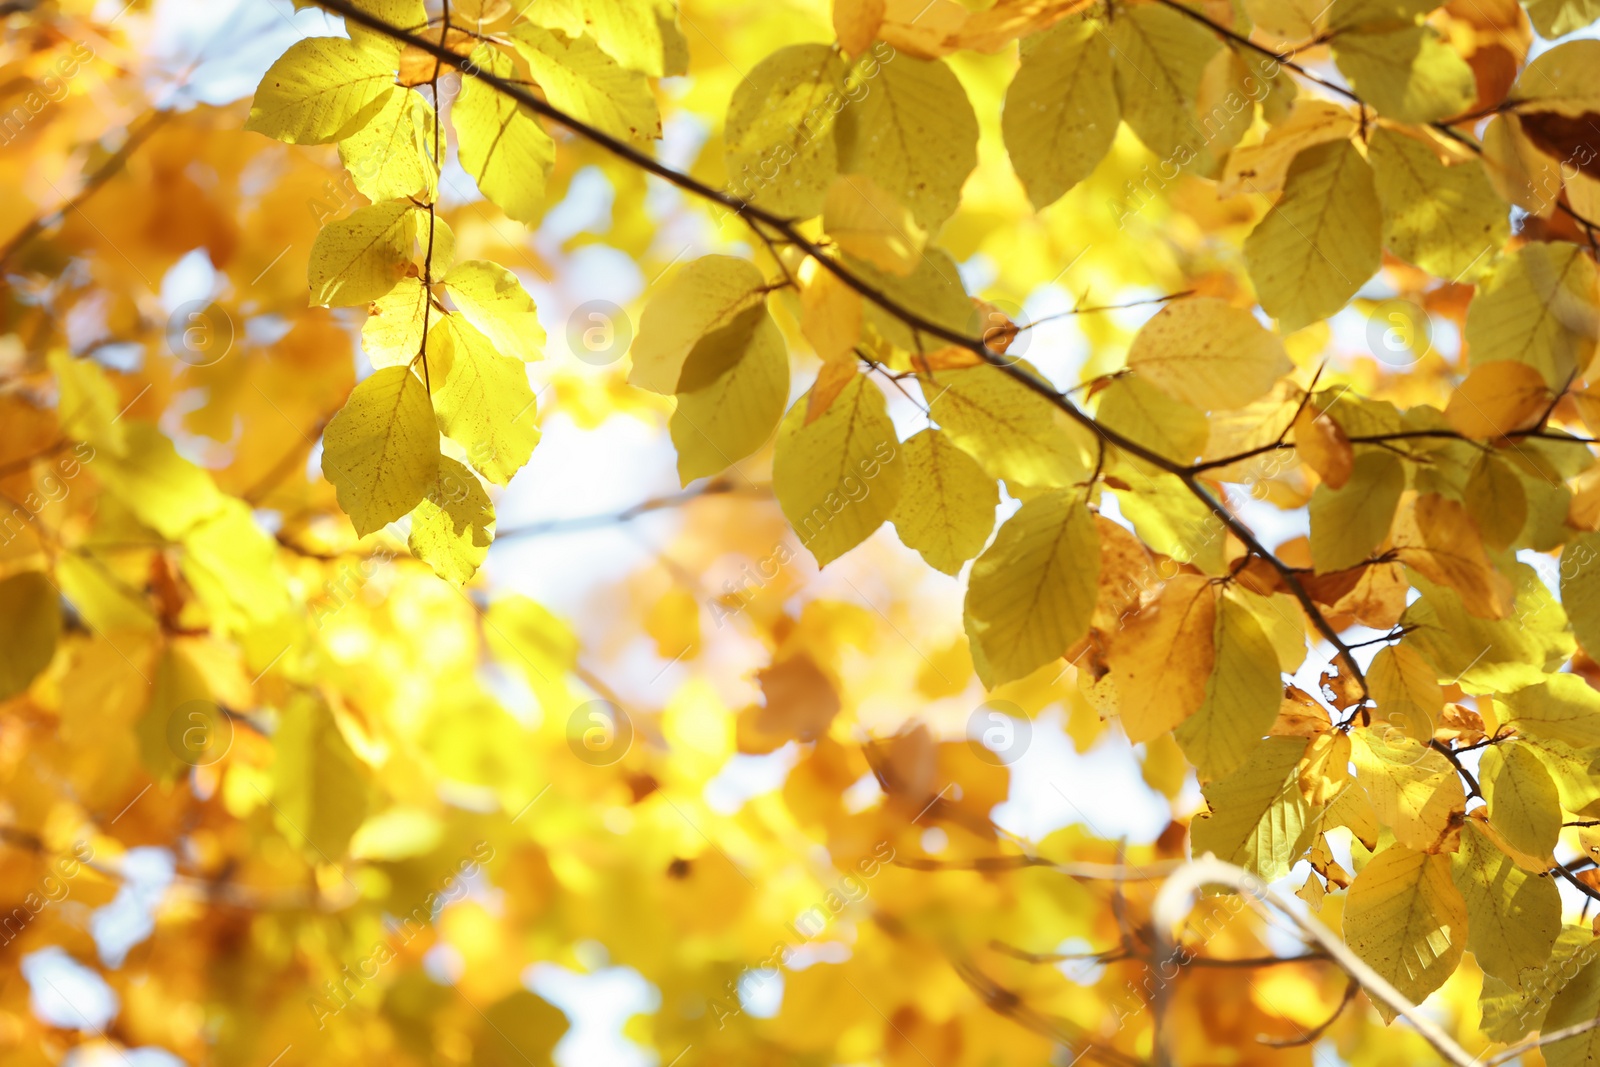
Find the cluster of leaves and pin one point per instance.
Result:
(373, 758)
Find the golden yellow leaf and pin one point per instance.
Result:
(1405, 917)
(1322, 239)
(381, 451)
(947, 502)
(1162, 658)
(450, 527)
(1032, 592)
(1208, 354)
(838, 478)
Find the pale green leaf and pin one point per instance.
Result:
(30, 623)
(1447, 220)
(1348, 523)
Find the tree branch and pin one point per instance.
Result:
(1176, 899)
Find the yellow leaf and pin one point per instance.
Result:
(392, 334)
(1557, 18)
(830, 315)
(1407, 694)
(932, 289)
(1406, 919)
(586, 83)
(838, 478)
(870, 224)
(1580, 589)
(1523, 803)
(1496, 398)
(409, 15)
(1513, 916)
(501, 144)
(1434, 536)
(1561, 80)
(30, 623)
(1161, 57)
(1408, 74)
(1013, 432)
(1032, 592)
(319, 787)
(779, 134)
(1347, 524)
(1262, 168)
(1208, 354)
(1242, 695)
(1288, 20)
(1325, 768)
(1496, 501)
(88, 403)
(232, 566)
(493, 300)
(381, 451)
(1162, 658)
(391, 156)
(734, 383)
(1138, 410)
(1577, 1003)
(451, 527)
(915, 134)
(1061, 111)
(178, 723)
(633, 32)
(701, 298)
(1414, 789)
(1170, 519)
(856, 23)
(484, 401)
(1447, 220)
(358, 259)
(1489, 655)
(162, 489)
(1538, 307)
(322, 89)
(1563, 707)
(1323, 446)
(1321, 241)
(947, 502)
(1257, 816)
